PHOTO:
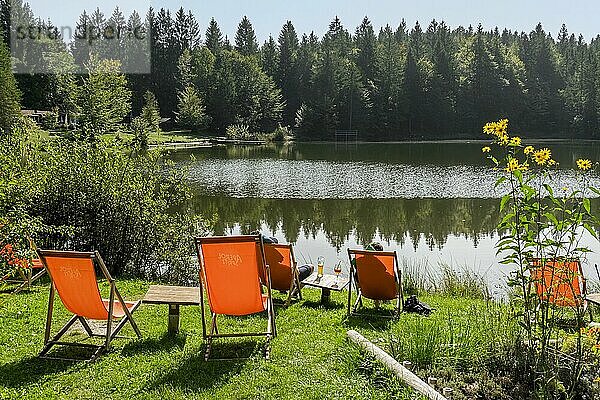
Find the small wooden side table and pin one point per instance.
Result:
(174, 296)
(326, 283)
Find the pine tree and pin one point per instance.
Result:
(269, 57)
(80, 47)
(10, 109)
(103, 99)
(151, 112)
(214, 37)
(245, 38)
(288, 73)
(365, 42)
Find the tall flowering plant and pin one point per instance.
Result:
(543, 227)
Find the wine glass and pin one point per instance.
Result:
(337, 270)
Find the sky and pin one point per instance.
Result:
(268, 16)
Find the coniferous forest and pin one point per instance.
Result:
(397, 82)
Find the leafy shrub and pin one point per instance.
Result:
(97, 196)
(280, 134)
(120, 204)
(239, 132)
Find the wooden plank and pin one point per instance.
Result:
(394, 366)
(177, 295)
(326, 282)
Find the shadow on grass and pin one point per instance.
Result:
(194, 374)
(377, 320)
(331, 305)
(32, 369)
(152, 345)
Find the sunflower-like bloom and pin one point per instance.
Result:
(503, 140)
(524, 166)
(489, 128)
(513, 165)
(528, 150)
(552, 163)
(542, 156)
(515, 141)
(486, 149)
(584, 165)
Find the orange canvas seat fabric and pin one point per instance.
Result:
(231, 277)
(559, 282)
(376, 276)
(75, 282)
(37, 264)
(279, 260)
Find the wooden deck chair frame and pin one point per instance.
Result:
(27, 277)
(110, 332)
(271, 330)
(352, 310)
(580, 278)
(295, 290)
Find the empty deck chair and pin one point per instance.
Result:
(230, 273)
(73, 276)
(284, 270)
(26, 276)
(377, 276)
(561, 282)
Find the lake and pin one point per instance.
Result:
(431, 202)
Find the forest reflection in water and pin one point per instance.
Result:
(458, 232)
(431, 202)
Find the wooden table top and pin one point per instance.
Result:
(326, 282)
(177, 295)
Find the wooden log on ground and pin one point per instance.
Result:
(390, 363)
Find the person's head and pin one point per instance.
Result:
(374, 246)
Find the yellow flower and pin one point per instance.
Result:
(486, 149)
(542, 156)
(515, 141)
(551, 163)
(584, 165)
(524, 166)
(528, 150)
(489, 128)
(503, 140)
(512, 165)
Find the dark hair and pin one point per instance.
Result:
(376, 246)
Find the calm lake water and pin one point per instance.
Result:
(431, 202)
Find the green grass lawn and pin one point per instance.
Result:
(311, 357)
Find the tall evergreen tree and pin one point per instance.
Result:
(245, 38)
(269, 57)
(214, 37)
(10, 96)
(288, 73)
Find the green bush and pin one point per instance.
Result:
(120, 204)
(99, 196)
(239, 132)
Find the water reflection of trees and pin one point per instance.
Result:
(396, 220)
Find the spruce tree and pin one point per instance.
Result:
(245, 38)
(10, 109)
(214, 37)
(269, 57)
(287, 72)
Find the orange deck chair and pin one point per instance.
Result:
(376, 275)
(73, 276)
(230, 269)
(284, 270)
(27, 277)
(561, 282)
